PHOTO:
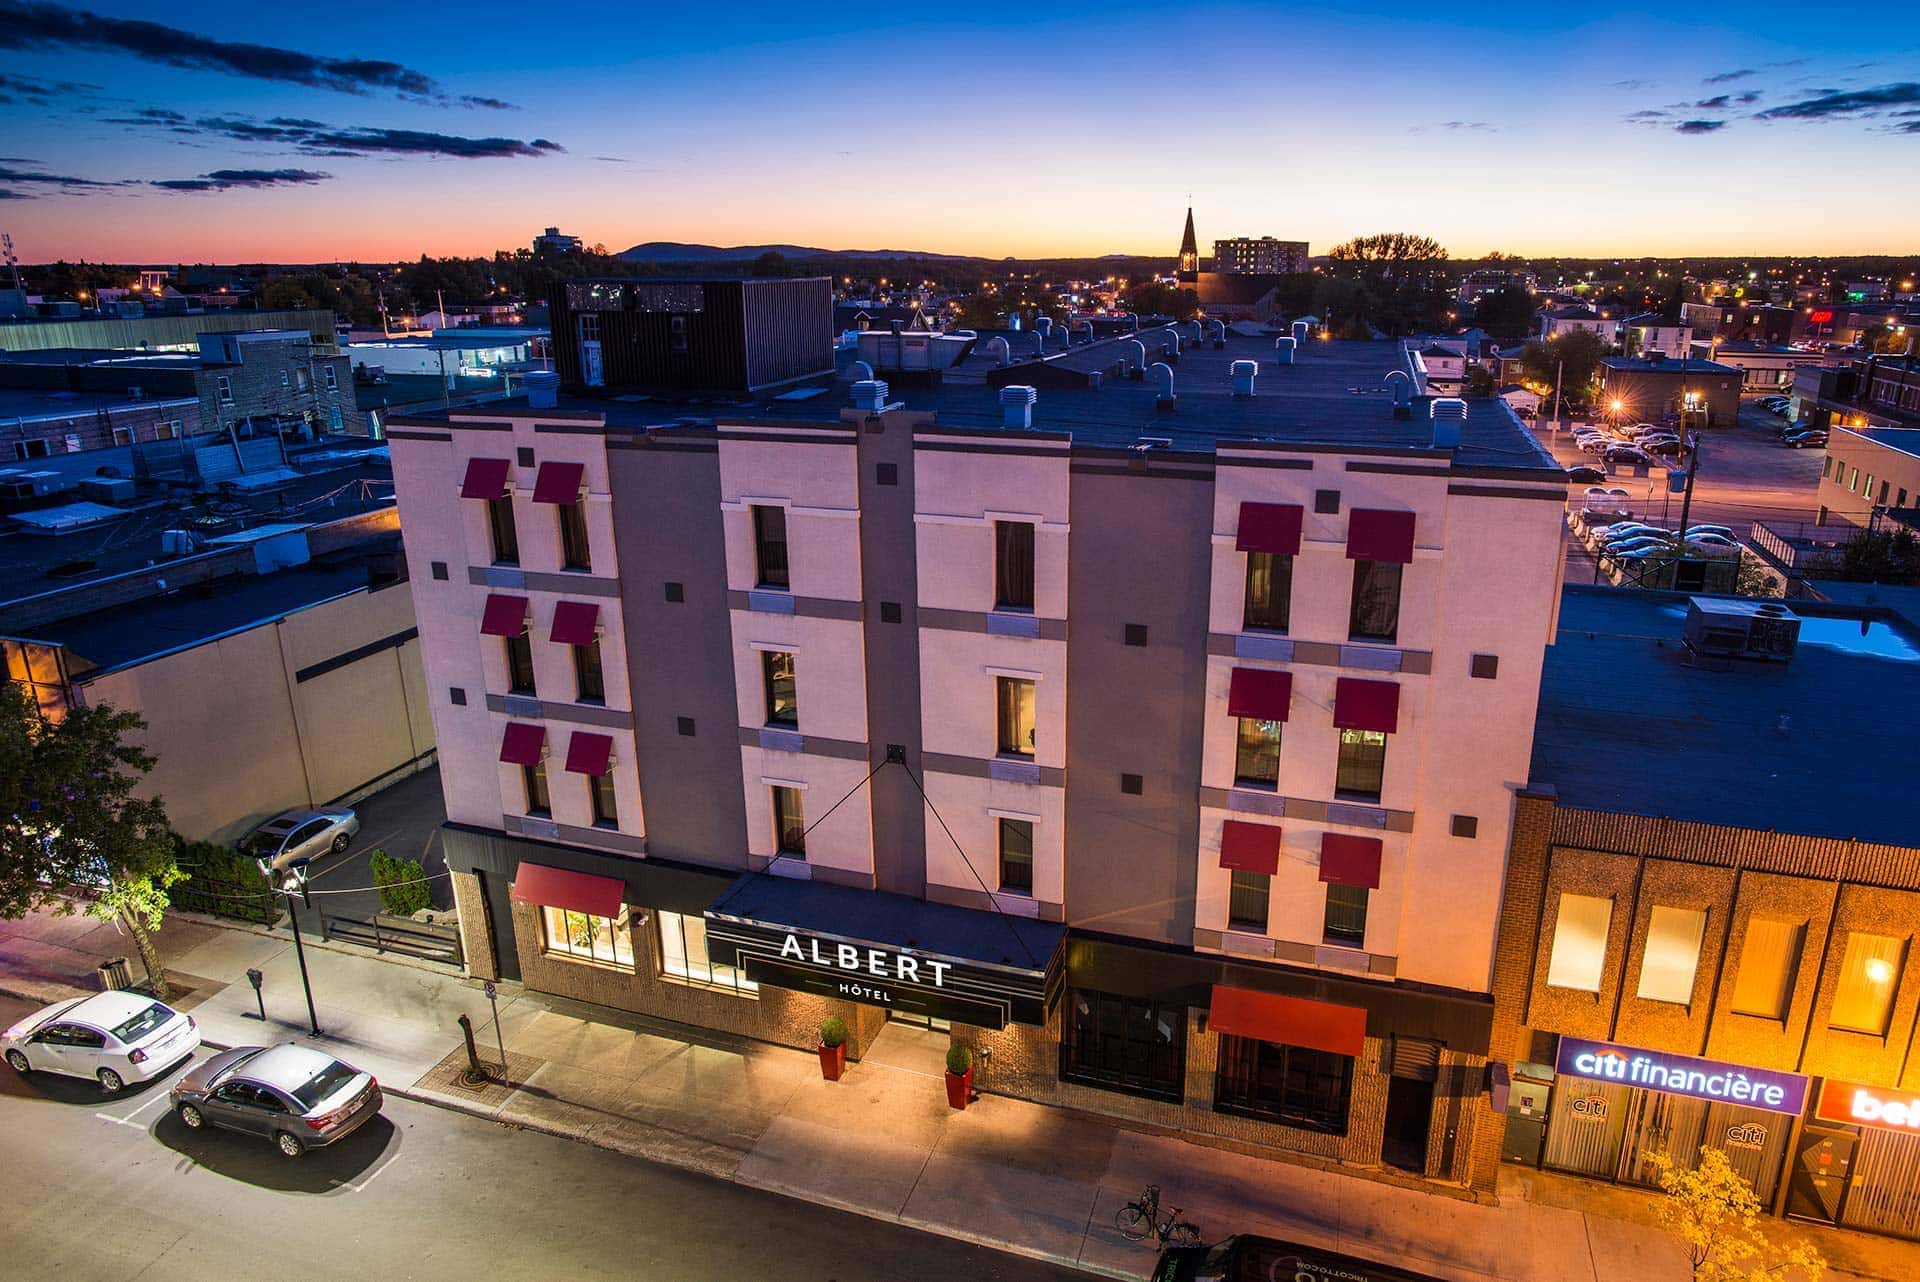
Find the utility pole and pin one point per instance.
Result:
(1559, 372)
(13, 260)
(1686, 498)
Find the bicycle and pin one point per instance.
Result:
(1142, 1216)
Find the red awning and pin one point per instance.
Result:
(574, 622)
(1366, 705)
(1260, 693)
(1246, 847)
(486, 478)
(522, 744)
(578, 892)
(1270, 527)
(589, 754)
(1350, 861)
(504, 616)
(1377, 535)
(558, 482)
(1290, 1021)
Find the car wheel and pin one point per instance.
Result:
(109, 1080)
(17, 1061)
(340, 843)
(289, 1144)
(192, 1118)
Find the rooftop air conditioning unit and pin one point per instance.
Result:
(1741, 629)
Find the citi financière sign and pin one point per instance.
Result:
(876, 962)
(1683, 1075)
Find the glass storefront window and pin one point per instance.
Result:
(683, 955)
(1128, 1044)
(1287, 1084)
(584, 937)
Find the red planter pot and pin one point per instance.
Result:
(959, 1088)
(833, 1061)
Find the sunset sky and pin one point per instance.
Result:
(224, 132)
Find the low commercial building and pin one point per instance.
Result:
(1732, 321)
(1868, 391)
(1655, 389)
(1578, 319)
(1708, 932)
(1652, 334)
(1766, 369)
(1869, 469)
(45, 423)
(156, 333)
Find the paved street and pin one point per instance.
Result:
(113, 1190)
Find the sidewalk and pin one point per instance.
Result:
(881, 1141)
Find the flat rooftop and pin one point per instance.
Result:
(1335, 393)
(35, 403)
(1817, 746)
(1904, 439)
(1649, 365)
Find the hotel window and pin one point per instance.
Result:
(519, 664)
(506, 539)
(575, 554)
(589, 681)
(1672, 955)
(1580, 943)
(783, 708)
(1869, 977)
(1016, 856)
(1126, 1044)
(1376, 601)
(534, 779)
(330, 377)
(1345, 924)
(584, 937)
(789, 822)
(1256, 753)
(1015, 699)
(1362, 765)
(1269, 591)
(1248, 894)
(683, 955)
(1288, 1084)
(1769, 965)
(225, 386)
(606, 810)
(1012, 565)
(770, 547)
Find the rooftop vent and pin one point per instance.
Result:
(1401, 385)
(1134, 353)
(1219, 329)
(1283, 350)
(1244, 372)
(1301, 332)
(1162, 376)
(870, 394)
(1016, 405)
(1721, 629)
(543, 387)
(1448, 413)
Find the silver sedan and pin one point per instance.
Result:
(301, 834)
(298, 1097)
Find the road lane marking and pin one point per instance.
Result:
(361, 1187)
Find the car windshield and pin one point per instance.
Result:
(324, 1083)
(145, 1022)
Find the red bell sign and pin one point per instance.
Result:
(1894, 1110)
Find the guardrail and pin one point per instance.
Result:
(403, 935)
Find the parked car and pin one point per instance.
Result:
(1813, 436)
(298, 1097)
(1627, 530)
(1584, 473)
(1597, 444)
(1627, 454)
(1718, 542)
(1645, 543)
(113, 1037)
(1775, 404)
(301, 834)
(1246, 1258)
(1702, 528)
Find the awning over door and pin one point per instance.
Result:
(578, 892)
(1290, 1021)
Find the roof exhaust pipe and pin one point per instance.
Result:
(543, 389)
(1283, 349)
(1400, 383)
(1016, 405)
(860, 371)
(1171, 348)
(1001, 353)
(1134, 353)
(1162, 376)
(1301, 332)
(1043, 325)
(1219, 328)
(1244, 372)
(1449, 415)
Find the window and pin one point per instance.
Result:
(123, 436)
(1016, 716)
(584, 937)
(574, 552)
(519, 664)
(1673, 954)
(166, 431)
(331, 377)
(1867, 489)
(789, 822)
(302, 381)
(1769, 965)
(506, 539)
(534, 779)
(225, 389)
(683, 955)
(1013, 565)
(1869, 976)
(1016, 856)
(678, 328)
(286, 378)
(30, 449)
(770, 547)
(335, 420)
(1269, 591)
(1580, 942)
(606, 809)
(1247, 897)
(1362, 764)
(589, 681)
(1288, 1084)
(783, 708)
(1256, 754)
(1376, 601)
(1126, 1044)
(1346, 917)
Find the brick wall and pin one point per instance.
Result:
(282, 380)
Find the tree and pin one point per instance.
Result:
(69, 821)
(979, 311)
(1572, 358)
(1395, 251)
(1879, 556)
(772, 263)
(1478, 382)
(1714, 1212)
(1155, 298)
(1506, 313)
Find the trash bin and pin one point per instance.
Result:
(115, 974)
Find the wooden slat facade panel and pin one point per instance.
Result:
(1871, 864)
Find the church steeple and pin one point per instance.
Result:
(1189, 270)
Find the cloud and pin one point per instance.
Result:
(1646, 114)
(227, 179)
(11, 175)
(614, 160)
(1699, 126)
(1473, 125)
(1726, 76)
(490, 104)
(1748, 98)
(39, 26)
(14, 195)
(1844, 104)
(317, 138)
(39, 93)
(1634, 85)
(1717, 103)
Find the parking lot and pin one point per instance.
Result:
(404, 820)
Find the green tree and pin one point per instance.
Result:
(73, 837)
(1156, 298)
(1879, 556)
(1714, 1212)
(772, 263)
(980, 311)
(1478, 382)
(1573, 358)
(1394, 253)
(1507, 314)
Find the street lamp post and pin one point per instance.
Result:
(297, 876)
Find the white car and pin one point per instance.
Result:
(113, 1037)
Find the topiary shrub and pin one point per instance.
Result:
(833, 1032)
(402, 884)
(959, 1058)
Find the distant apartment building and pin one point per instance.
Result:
(1259, 256)
(1481, 281)
(1652, 334)
(555, 241)
(1580, 318)
(1867, 391)
(1234, 293)
(1731, 321)
(1157, 742)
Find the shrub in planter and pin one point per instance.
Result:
(833, 1048)
(959, 1075)
(402, 883)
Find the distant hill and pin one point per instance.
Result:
(673, 251)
